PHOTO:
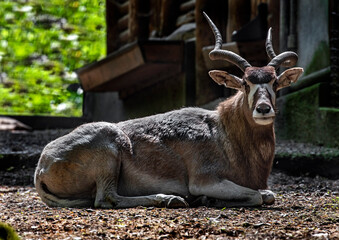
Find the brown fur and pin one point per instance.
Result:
(224, 156)
(252, 144)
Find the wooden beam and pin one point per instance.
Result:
(239, 13)
(168, 15)
(219, 64)
(112, 16)
(163, 51)
(187, 6)
(142, 78)
(139, 64)
(186, 18)
(124, 37)
(139, 17)
(123, 8)
(111, 67)
(123, 23)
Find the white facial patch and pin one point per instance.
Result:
(269, 88)
(254, 89)
(262, 118)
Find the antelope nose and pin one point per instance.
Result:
(263, 108)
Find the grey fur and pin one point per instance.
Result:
(188, 156)
(151, 161)
(169, 159)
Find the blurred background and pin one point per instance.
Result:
(42, 43)
(119, 59)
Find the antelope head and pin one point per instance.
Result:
(259, 84)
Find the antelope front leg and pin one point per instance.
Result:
(110, 199)
(156, 200)
(229, 194)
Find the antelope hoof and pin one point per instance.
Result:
(171, 201)
(267, 197)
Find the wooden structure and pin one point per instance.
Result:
(157, 54)
(141, 51)
(134, 66)
(139, 55)
(157, 60)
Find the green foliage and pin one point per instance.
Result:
(42, 43)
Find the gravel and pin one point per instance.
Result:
(305, 208)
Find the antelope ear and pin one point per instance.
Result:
(289, 76)
(226, 79)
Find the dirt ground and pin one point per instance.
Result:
(305, 208)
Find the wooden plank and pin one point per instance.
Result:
(112, 67)
(187, 6)
(138, 65)
(189, 65)
(141, 77)
(124, 36)
(254, 52)
(186, 18)
(138, 24)
(154, 74)
(219, 64)
(163, 51)
(168, 15)
(123, 23)
(123, 8)
(112, 16)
